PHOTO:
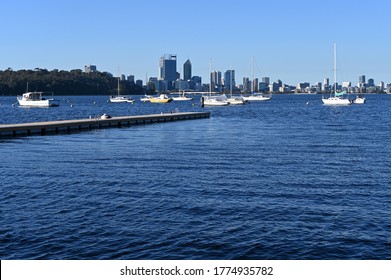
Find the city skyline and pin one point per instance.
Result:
(290, 41)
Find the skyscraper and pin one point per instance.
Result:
(229, 76)
(361, 79)
(168, 69)
(187, 70)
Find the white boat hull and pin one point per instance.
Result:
(236, 101)
(39, 103)
(256, 98)
(121, 99)
(336, 101)
(359, 100)
(182, 98)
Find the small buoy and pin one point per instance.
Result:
(94, 102)
(307, 103)
(71, 105)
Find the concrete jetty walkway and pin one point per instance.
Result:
(68, 126)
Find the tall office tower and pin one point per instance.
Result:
(266, 80)
(326, 82)
(361, 79)
(371, 82)
(246, 84)
(255, 85)
(229, 76)
(167, 69)
(215, 77)
(187, 70)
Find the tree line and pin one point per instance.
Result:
(60, 82)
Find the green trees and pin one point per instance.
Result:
(60, 82)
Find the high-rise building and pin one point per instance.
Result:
(229, 77)
(266, 80)
(246, 84)
(90, 68)
(167, 69)
(361, 79)
(255, 85)
(187, 70)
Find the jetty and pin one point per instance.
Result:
(69, 126)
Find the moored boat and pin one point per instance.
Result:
(162, 98)
(336, 98)
(35, 99)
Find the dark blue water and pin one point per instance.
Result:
(269, 180)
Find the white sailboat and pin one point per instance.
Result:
(120, 98)
(256, 96)
(210, 100)
(235, 100)
(182, 97)
(336, 98)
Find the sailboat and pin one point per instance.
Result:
(255, 96)
(336, 98)
(182, 97)
(120, 98)
(235, 100)
(220, 100)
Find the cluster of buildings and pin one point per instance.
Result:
(169, 79)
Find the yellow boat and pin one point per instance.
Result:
(162, 98)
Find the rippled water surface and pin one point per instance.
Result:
(272, 180)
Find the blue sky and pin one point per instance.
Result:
(290, 40)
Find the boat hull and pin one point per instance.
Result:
(158, 100)
(336, 101)
(39, 103)
(121, 99)
(359, 101)
(256, 98)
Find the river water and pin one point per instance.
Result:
(288, 178)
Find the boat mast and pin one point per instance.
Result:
(335, 68)
(118, 83)
(252, 81)
(230, 82)
(210, 77)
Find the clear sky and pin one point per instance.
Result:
(291, 40)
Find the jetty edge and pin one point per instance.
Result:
(68, 126)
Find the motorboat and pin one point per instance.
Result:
(35, 99)
(360, 99)
(162, 98)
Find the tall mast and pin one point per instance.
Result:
(230, 82)
(335, 68)
(252, 82)
(118, 83)
(210, 77)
